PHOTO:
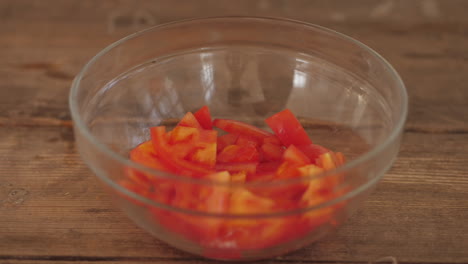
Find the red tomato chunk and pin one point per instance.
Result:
(241, 153)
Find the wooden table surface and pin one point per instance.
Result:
(52, 209)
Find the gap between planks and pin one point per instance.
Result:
(51, 122)
(195, 260)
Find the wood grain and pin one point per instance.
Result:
(53, 207)
(45, 43)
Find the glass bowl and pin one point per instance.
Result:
(347, 97)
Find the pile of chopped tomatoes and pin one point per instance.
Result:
(227, 151)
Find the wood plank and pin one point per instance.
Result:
(160, 261)
(425, 40)
(52, 207)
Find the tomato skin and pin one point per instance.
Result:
(288, 129)
(146, 155)
(241, 128)
(293, 155)
(189, 120)
(204, 148)
(269, 166)
(247, 167)
(272, 140)
(247, 141)
(235, 153)
(170, 160)
(245, 154)
(313, 151)
(203, 117)
(183, 134)
(271, 152)
(226, 140)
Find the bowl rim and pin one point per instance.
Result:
(80, 125)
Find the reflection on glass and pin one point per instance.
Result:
(206, 74)
(300, 79)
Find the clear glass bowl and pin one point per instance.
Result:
(347, 97)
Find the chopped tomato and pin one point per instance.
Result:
(203, 117)
(272, 140)
(183, 134)
(340, 158)
(146, 155)
(214, 199)
(205, 148)
(245, 154)
(176, 164)
(239, 177)
(225, 140)
(269, 166)
(271, 152)
(235, 153)
(247, 141)
(288, 129)
(247, 167)
(189, 120)
(287, 170)
(313, 151)
(328, 161)
(241, 128)
(293, 155)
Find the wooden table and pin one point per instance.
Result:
(52, 209)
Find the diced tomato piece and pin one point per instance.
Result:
(205, 156)
(245, 202)
(310, 169)
(239, 177)
(313, 151)
(215, 198)
(189, 120)
(203, 117)
(318, 186)
(208, 136)
(197, 145)
(183, 134)
(272, 140)
(204, 148)
(251, 233)
(271, 152)
(268, 166)
(146, 155)
(241, 128)
(327, 161)
(340, 158)
(288, 192)
(247, 141)
(315, 218)
(148, 185)
(266, 171)
(288, 129)
(294, 155)
(245, 154)
(288, 170)
(176, 164)
(202, 198)
(226, 140)
(235, 153)
(247, 167)
(261, 176)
